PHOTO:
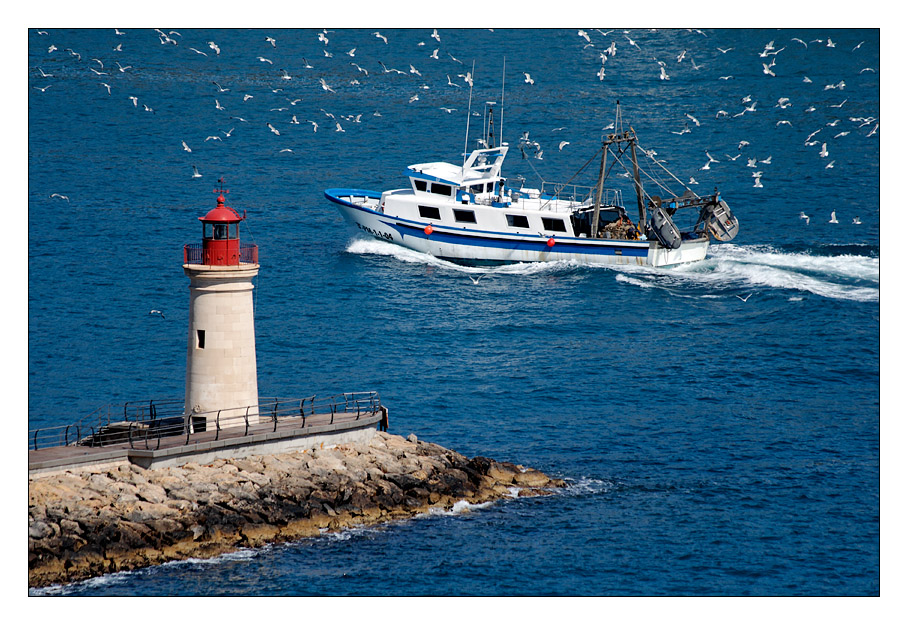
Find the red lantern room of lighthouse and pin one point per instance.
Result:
(221, 237)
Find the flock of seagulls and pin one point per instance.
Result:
(299, 84)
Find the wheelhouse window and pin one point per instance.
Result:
(477, 188)
(439, 188)
(517, 221)
(554, 225)
(466, 217)
(419, 185)
(430, 212)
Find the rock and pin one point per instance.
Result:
(83, 524)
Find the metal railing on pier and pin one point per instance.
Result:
(144, 424)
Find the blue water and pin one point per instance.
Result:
(712, 446)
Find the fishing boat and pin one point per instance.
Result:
(470, 213)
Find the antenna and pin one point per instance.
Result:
(469, 100)
(502, 114)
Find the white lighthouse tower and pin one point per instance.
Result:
(221, 386)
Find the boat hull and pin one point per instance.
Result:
(470, 246)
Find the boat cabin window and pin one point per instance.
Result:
(442, 190)
(430, 212)
(554, 224)
(477, 188)
(517, 221)
(419, 185)
(468, 217)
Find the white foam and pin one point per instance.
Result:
(750, 268)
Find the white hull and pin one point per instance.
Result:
(474, 246)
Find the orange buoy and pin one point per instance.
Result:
(551, 242)
(428, 229)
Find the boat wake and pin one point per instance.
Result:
(750, 268)
(384, 248)
(727, 268)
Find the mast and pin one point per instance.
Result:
(467, 132)
(596, 207)
(639, 190)
(502, 112)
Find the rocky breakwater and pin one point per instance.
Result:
(84, 524)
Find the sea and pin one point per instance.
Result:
(717, 424)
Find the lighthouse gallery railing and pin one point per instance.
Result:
(195, 254)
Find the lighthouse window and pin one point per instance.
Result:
(553, 224)
(517, 221)
(200, 339)
(430, 212)
(465, 216)
(220, 231)
(206, 231)
(234, 228)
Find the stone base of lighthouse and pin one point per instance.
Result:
(221, 383)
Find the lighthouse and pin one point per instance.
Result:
(221, 386)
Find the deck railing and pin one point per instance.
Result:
(143, 424)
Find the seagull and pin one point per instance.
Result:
(285, 75)
(51, 48)
(833, 219)
(800, 41)
(218, 105)
(306, 64)
(338, 128)
(583, 34)
(752, 162)
(435, 35)
(725, 50)
(695, 65)
(134, 99)
(802, 215)
(107, 86)
(767, 160)
(214, 46)
(212, 137)
(476, 281)
(830, 43)
(447, 110)
(757, 181)
(829, 165)
(745, 299)
(325, 85)
(43, 75)
(122, 68)
(823, 151)
(220, 88)
(323, 38)
(271, 40)
(767, 69)
(264, 60)
(60, 195)
(156, 312)
(601, 73)
(381, 36)
(43, 89)
(227, 133)
(272, 128)
(562, 144)
(414, 70)
(196, 173)
(435, 54)
(315, 126)
(451, 83)
(856, 220)
(784, 122)
(351, 52)
(679, 58)
(663, 74)
(198, 52)
(528, 79)
(693, 119)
